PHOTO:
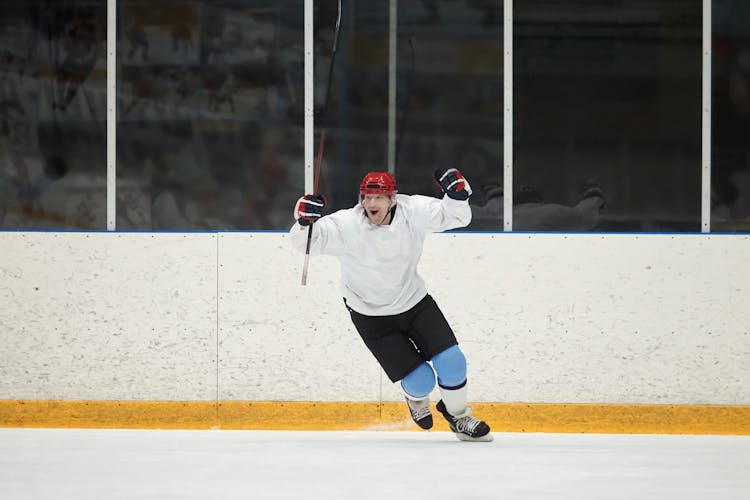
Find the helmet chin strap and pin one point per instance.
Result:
(384, 218)
(388, 212)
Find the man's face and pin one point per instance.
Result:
(377, 207)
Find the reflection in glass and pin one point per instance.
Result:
(53, 115)
(607, 97)
(730, 117)
(210, 114)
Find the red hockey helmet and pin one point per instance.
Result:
(378, 183)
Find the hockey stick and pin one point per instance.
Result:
(322, 135)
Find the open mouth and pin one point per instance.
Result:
(374, 212)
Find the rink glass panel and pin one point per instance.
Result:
(210, 105)
(609, 93)
(730, 153)
(53, 115)
(210, 102)
(356, 117)
(448, 94)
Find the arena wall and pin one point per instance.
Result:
(220, 321)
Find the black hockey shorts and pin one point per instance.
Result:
(402, 342)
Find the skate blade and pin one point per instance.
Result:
(481, 439)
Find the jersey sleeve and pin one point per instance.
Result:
(327, 235)
(435, 215)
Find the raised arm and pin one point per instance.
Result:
(452, 211)
(327, 233)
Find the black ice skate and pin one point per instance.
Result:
(466, 427)
(420, 412)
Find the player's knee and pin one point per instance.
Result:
(419, 382)
(450, 366)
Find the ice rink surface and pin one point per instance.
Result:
(151, 464)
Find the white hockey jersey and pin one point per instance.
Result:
(379, 263)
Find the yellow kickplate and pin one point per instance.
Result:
(285, 415)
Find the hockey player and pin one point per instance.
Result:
(379, 243)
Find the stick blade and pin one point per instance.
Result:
(304, 269)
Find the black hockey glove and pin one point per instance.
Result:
(309, 208)
(453, 184)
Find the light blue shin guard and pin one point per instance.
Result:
(419, 382)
